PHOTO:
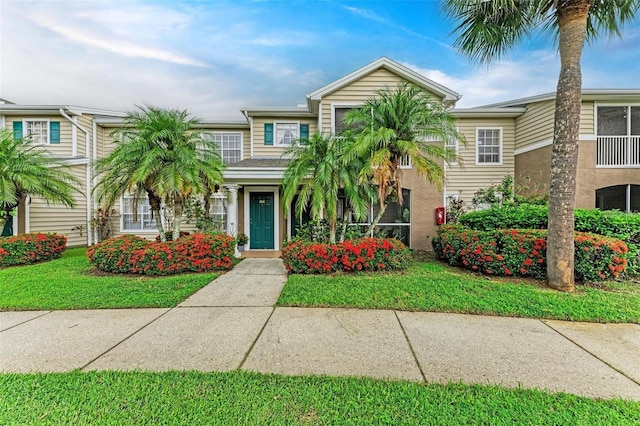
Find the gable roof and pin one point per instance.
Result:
(449, 97)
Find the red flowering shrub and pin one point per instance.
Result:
(135, 255)
(169, 235)
(24, 249)
(366, 254)
(522, 252)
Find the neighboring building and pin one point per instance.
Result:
(510, 138)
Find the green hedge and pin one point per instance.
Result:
(135, 255)
(30, 248)
(365, 254)
(522, 252)
(611, 223)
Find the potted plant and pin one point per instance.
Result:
(242, 241)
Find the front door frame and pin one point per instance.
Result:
(276, 213)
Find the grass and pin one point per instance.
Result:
(65, 284)
(240, 398)
(432, 286)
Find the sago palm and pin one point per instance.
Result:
(397, 123)
(28, 169)
(487, 29)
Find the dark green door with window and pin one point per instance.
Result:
(261, 220)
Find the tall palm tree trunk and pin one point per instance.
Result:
(572, 16)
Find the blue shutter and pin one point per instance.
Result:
(268, 133)
(17, 130)
(304, 134)
(54, 132)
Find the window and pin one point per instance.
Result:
(37, 131)
(286, 133)
(618, 120)
(489, 146)
(143, 222)
(229, 145)
(405, 162)
(451, 144)
(339, 113)
(218, 210)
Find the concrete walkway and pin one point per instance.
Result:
(232, 324)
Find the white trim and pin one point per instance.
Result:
(448, 96)
(134, 231)
(499, 163)
(253, 173)
(14, 219)
(226, 132)
(27, 214)
(587, 138)
(275, 133)
(533, 147)
(3, 122)
(47, 120)
(276, 213)
(251, 136)
(74, 141)
(549, 142)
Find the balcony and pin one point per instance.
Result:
(618, 151)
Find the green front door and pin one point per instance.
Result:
(261, 220)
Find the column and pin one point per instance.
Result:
(232, 211)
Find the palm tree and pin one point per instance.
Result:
(487, 29)
(397, 124)
(317, 171)
(159, 153)
(28, 169)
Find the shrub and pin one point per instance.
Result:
(611, 223)
(365, 254)
(135, 255)
(517, 252)
(25, 249)
(169, 235)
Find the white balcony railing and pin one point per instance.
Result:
(618, 151)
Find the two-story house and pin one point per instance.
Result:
(501, 139)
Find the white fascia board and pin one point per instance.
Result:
(487, 112)
(254, 173)
(549, 142)
(448, 95)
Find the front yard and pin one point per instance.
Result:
(435, 287)
(71, 283)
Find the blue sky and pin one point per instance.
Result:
(213, 57)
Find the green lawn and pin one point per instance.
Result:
(432, 286)
(64, 284)
(239, 398)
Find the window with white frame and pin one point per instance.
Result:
(229, 145)
(143, 221)
(405, 162)
(218, 210)
(451, 145)
(286, 133)
(37, 130)
(489, 146)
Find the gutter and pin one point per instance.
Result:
(87, 151)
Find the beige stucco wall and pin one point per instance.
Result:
(537, 165)
(425, 197)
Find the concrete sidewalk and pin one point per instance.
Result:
(231, 324)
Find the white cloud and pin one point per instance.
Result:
(505, 80)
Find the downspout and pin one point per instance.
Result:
(87, 137)
(93, 179)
